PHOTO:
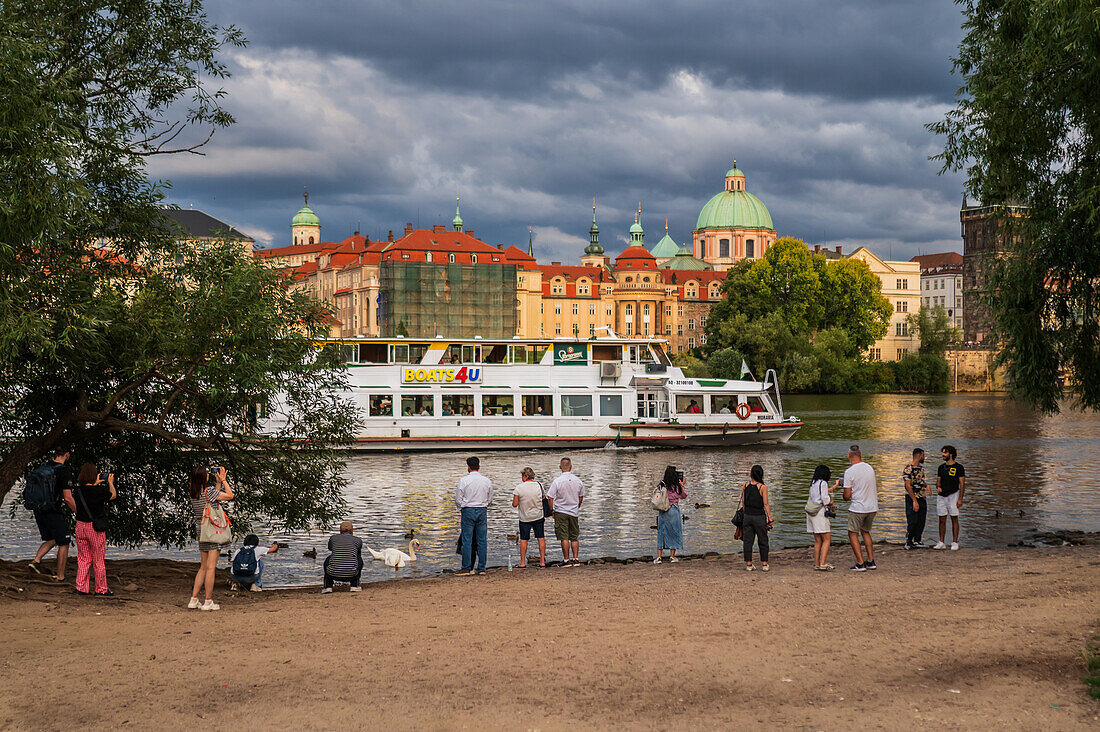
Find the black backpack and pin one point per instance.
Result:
(245, 563)
(38, 494)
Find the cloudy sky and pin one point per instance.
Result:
(386, 110)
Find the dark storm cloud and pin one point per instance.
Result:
(388, 110)
(855, 50)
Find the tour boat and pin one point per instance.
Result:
(481, 394)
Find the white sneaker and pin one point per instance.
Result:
(954, 546)
(326, 590)
(355, 588)
(210, 605)
(194, 603)
(940, 545)
(674, 559)
(657, 560)
(256, 588)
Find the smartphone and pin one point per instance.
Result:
(680, 475)
(103, 477)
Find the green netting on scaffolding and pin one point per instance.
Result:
(423, 300)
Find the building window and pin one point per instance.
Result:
(427, 256)
(690, 292)
(876, 354)
(591, 329)
(679, 329)
(691, 323)
(629, 309)
(928, 284)
(576, 329)
(645, 309)
(591, 309)
(901, 329)
(451, 258)
(680, 310)
(750, 249)
(691, 343)
(723, 247)
(609, 311)
(668, 330)
(576, 308)
(903, 306)
(702, 322)
(903, 284)
(473, 259)
(668, 311)
(902, 353)
(557, 309)
(557, 328)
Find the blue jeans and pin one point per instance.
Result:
(475, 538)
(252, 580)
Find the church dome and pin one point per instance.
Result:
(734, 208)
(665, 248)
(305, 217)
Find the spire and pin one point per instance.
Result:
(593, 249)
(456, 222)
(637, 234)
(305, 194)
(530, 242)
(666, 224)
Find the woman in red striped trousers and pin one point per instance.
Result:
(89, 503)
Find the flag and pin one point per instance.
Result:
(745, 369)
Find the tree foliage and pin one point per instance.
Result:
(1025, 129)
(935, 328)
(796, 312)
(141, 352)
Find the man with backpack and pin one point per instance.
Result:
(247, 567)
(44, 495)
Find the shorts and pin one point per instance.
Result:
(948, 505)
(52, 526)
(526, 527)
(859, 522)
(566, 527)
(818, 524)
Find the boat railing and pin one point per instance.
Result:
(772, 378)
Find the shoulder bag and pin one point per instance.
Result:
(99, 523)
(546, 510)
(659, 499)
(812, 507)
(214, 527)
(739, 515)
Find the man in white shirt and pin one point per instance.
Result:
(472, 497)
(566, 495)
(861, 489)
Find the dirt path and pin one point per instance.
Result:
(944, 640)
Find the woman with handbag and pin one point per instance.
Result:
(670, 523)
(817, 523)
(89, 503)
(758, 517)
(529, 498)
(212, 525)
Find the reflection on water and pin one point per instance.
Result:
(1037, 472)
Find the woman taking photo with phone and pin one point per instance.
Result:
(670, 524)
(758, 517)
(89, 503)
(206, 503)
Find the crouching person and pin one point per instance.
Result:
(247, 566)
(345, 562)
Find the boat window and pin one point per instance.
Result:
(458, 405)
(497, 353)
(416, 352)
(517, 354)
(413, 405)
(493, 405)
(611, 405)
(756, 404)
(538, 405)
(661, 355)
(723, 403)
(535, 353)
(349, 354)
(381, 405)
(607, 353)
(372, 353)
(471, 354)
(689, 403)
(576, 405)
(399, 353)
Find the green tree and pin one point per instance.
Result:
(693, 367)
(140, 352)
(852, 299)
(725, 363)
(1025, 129)
(936, 330)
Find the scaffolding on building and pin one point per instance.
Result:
(423, 300)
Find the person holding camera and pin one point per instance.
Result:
(758, 518)
(670, 523)
(89, 502)
(206, 499)
(818, 524)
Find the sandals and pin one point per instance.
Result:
(750, 568)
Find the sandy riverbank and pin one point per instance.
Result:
(944, 640)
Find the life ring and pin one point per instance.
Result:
(743, 411)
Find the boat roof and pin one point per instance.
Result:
(598, 340)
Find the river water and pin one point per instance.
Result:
(1024, 472)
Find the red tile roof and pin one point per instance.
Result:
(515, 254)
(636, 258)
(417, 243)
(941, 262)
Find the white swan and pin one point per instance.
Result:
(395, 557)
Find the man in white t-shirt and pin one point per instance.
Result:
(861, 488)
(566, 495)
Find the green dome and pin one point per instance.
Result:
(734, 210)
(684, 261)
(636, 228)
(734, 171)
(665, 248)
(305, 217)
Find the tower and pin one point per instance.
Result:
(305, 227)
(637, 233)
(456, 222)
(594, 255)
